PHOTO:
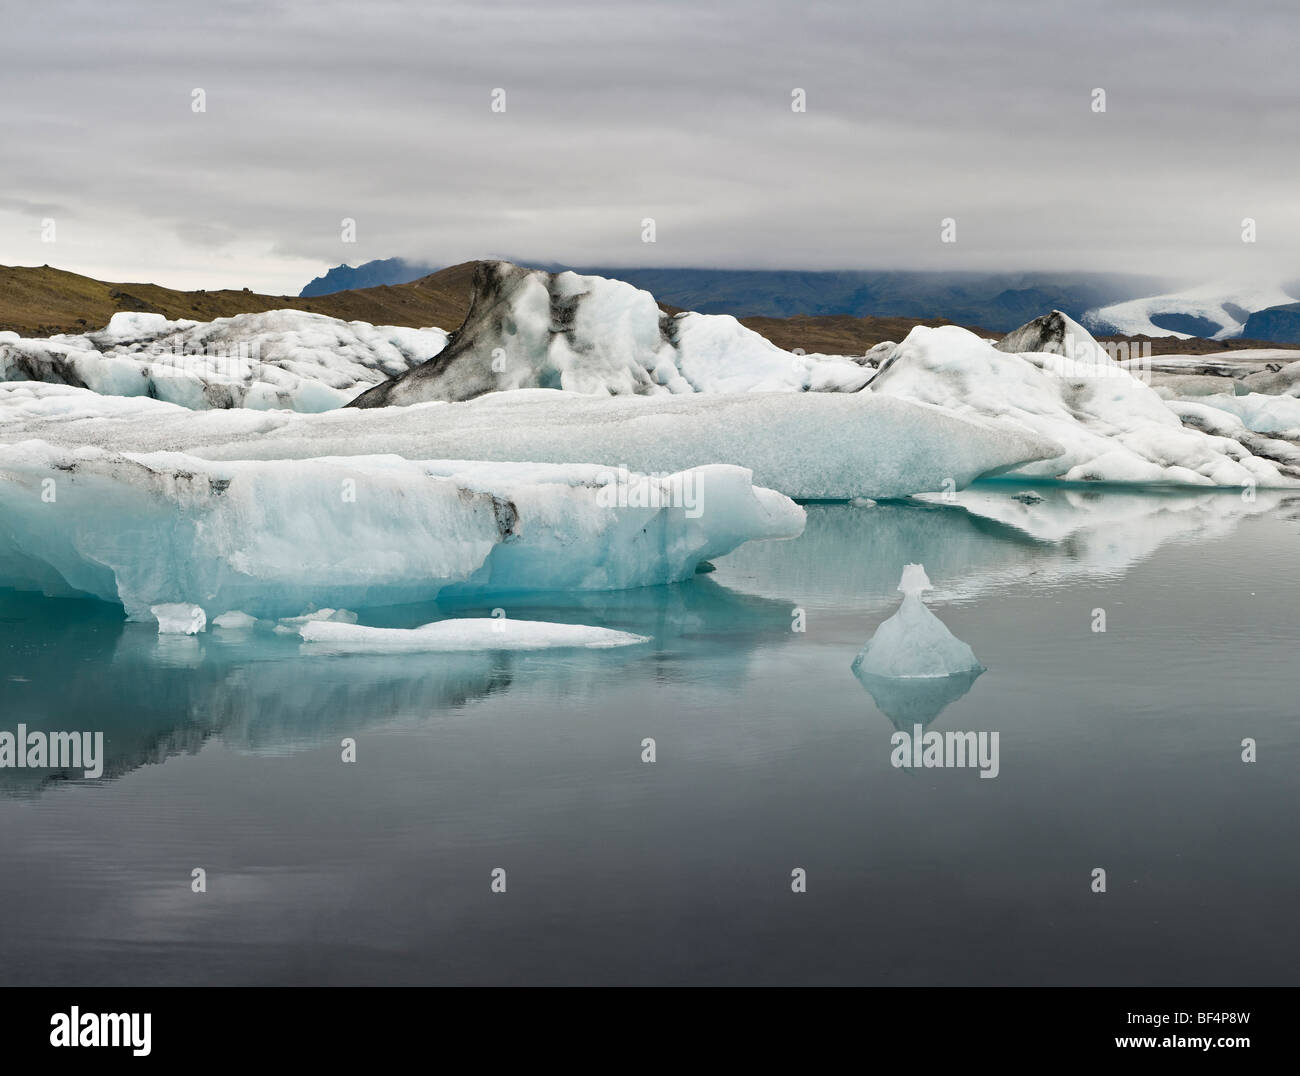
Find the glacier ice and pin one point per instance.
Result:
(527, 328)
(1112, 426)
(272, 538)
(1200, 413)
(469, 633)
(277, 359)
(235, 620)
(1275, 415)
(914, 643)
(179, 618)
(812, 446)
(1220, 303)
(1056, 333)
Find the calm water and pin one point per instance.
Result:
(1119, 750)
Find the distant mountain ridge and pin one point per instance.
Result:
(997, 301)
(372, 274)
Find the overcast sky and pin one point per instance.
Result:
(978, 110)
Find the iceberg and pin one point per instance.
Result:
(527, 328)
(1056, 333)
(235, 620)
(271, 538)
(914, 643)
(810, 446)
(179, 618)
(1275, 415)
(1112, 426)
(277, 359)
(470, 633)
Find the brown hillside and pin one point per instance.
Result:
(42, 301)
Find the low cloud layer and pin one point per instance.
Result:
(680, 112)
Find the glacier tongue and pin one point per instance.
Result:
(272, 538)
(812, 446)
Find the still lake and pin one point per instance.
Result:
(1119, 749)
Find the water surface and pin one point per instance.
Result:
(1119, 750)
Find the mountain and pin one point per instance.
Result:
(999, 301)
(1280, 323)
(371, 274)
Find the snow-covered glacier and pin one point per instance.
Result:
(1222, 306)
(278, 359)
(810, 446)
(274, 537)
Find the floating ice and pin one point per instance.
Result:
(272, 538)
(290, 625)
(235, 620)
(1113, 428)
(813, 446)
(1276, 415)
(480, 633)
(527, 328)
(179, 618)
(277, 359)
(914, 643)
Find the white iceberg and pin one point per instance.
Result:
(1112, 427)
(478, 633)
(1275, 415)
(277, 359)
(179, 618)
(811, 446)
(291, 625)
(271, 538)
(527, 328)
(914, 643)
(235, 620)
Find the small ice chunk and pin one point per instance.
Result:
(914, 642)
(479, 633)
(914, 580)
(289, 625)
(234, 620)
(179, 618)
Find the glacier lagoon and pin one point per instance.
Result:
(1119, 750)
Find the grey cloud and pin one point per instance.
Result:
(678, 111)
